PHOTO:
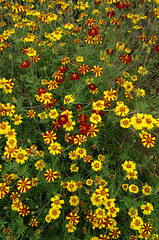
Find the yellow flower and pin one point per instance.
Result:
(142, 70)
(74, 168)
(134, 78)
(125, 187)
(125, 123)
(89, 182)
(17, 119)
(120, 46)
(96, 165)
(69, 99)
(129, 166)
(74, 200)
(136, 223)
(79, 59)
(146, 190)
(147, 208)
(95, 118)
(133, 188)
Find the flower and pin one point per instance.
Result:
(157, 48)
(146, 190)
(114, 232)
(129, 166)
(25, 64)
(83, 69)
(142, 70)
(89, 182)
(136, 223)
(49, 137)
(79, 59)
(20, 156)
(148, 140)
(74, 200)
(74, 76)
(125, 123)
(54, 213)
(121, 109)
(147, 208)
(24, 185)
(55, 148)
(120, 46)
(73, 218)
(96, 165)
(133, 188)
(57, 202)
(17, 119)
(71, 186)
(125, 187)
(40, 165)
(24, 210)
(4, 189)
(126, 58)
(137, 121)
(97, 71)
(69, 99)
(50, 175)
(33, 222)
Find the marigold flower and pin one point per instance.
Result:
(97, 71)
(54, 212)
(83, 69)
(33, 222)
(129, 166)
(133, 188)
(126, 58)
(148, 140)
(96, 165)
(147, 208)
(24, 185)
(24, 210)
(74, 76)
(74, 200)
(115, 232)
(50, 175)
(136, 223)
(25, 64)
(146, 190)
(71, 186)
(73, 218)
(4, 189)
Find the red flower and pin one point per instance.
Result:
(110, 51)
(79, 107)
(74, 76)
(93, 32)
(120, 5)
(82, 118)
(25, 64)
(157, 48)
(63, 119)
(92, 86)
(97, 2)
(84, 128)
(41, 90)
(126, 59)
(98, 112)
(62, 69)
